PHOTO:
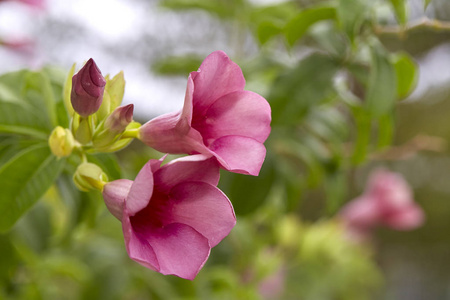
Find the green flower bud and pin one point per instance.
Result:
(89, 176)
(61, 142)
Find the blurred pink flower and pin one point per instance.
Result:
(172, 215)
(88, 86)
(21, 45)
(386, 201)
(33, 3)
(218, 119)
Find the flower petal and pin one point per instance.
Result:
(142, 189)
(138, 247)
(362, 213)
(242, 113)
(190, 168)
(217, 76)
(239, 154)
(114, 193)
(180, 250)
(170, 134)
(203, 207)
(407, 218)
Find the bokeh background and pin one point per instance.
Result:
(317, 72)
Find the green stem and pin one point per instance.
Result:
(130, 133)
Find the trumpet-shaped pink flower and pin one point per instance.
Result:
(218, 119)
(386, 201)
(172, 215)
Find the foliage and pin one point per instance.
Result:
(333, 85)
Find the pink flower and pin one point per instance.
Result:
(88, 86)
(33, 3)
(218, 119)
(172, 215)
(387, 201)
(24, 45)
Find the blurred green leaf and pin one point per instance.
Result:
(293, 92)
(406, 71)
(400, 11)
(67, 91)
(8, 259)
(386, 126)
(108, 162)
(24, 179)
(351, 14)
(247, 192)
(382, 88)
(177, 65)
(426, 3)
(271, 20)
(297, 26)
(363, 132)
(222, 9)
(28, 104)
(266, 30)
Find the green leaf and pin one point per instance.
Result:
(426, 3)
(177, 65)
(222, 9)
(363, 134)
(297, 26)
(400, 11)
(38, 90)
(270, 20)
(67, 91)
(299, 88)
(351, 14)
(382, 88)
(28, 104)
(385, 131)
(406, 71)
(109, 164)
(24, 179)
(266, 30)
(247, 192)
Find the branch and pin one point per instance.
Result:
(402, 31)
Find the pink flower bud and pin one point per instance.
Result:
(88, 86)
(119, 119)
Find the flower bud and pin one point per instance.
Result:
(119, 119)
(89, 176)
(113, 127)
(88, 86)
(61, 142)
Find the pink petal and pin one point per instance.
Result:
(203, 207)
(142, 189)
(180, 250)
(241, 113)
(186, 113)
(239, 154)
(189, 168)
(217, 76)
(170, 134)
(407, 218)
(361, 213)
(391, 190)
(138, 247)
(114, 193)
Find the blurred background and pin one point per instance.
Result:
(353, 86)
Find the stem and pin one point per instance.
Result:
(426, 23)
(130, 133)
